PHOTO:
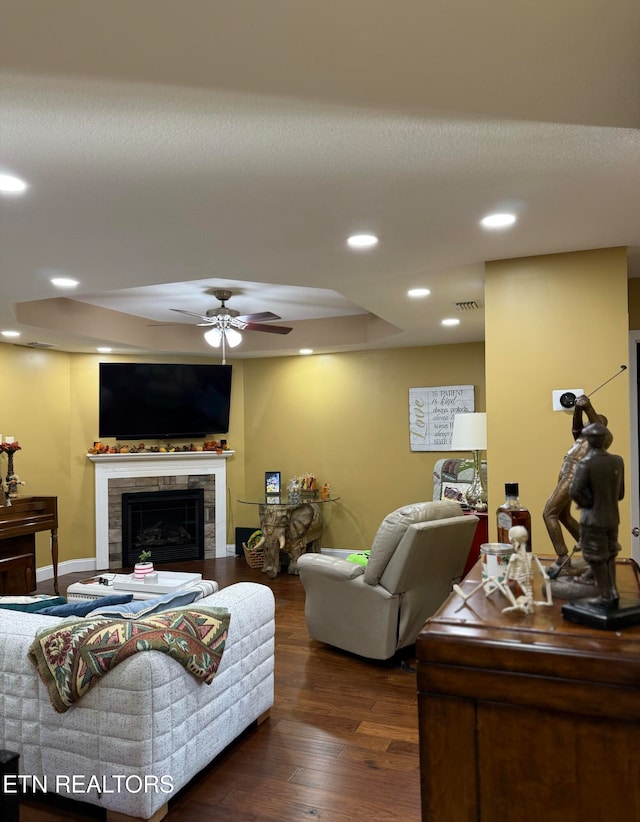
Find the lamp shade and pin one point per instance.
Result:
(233, 337)
(213, 337)
(469, 432)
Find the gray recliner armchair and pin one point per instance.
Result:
(374, 611)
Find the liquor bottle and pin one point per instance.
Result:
(511, 513)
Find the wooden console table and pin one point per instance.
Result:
(19, 523)
(528, 717)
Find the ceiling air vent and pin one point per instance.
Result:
(39, 345)
(467, 305)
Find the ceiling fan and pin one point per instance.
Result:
(225, 324)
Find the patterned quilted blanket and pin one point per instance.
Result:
(71, 658)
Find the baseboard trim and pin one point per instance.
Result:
(69, 566)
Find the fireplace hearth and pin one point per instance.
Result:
(170, 524)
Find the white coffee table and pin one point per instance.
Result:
(125, 584)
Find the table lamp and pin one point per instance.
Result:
(470, 434)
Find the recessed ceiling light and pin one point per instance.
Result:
(64, 282)
(418, 292)
(11, 185)
(10, 333)
(362, 241)
(306, 351)
(450, 321)
(498, 220)
(104, 350)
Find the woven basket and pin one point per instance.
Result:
(255, 558)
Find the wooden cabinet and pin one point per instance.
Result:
(528, 717)
(19, 523)
(479, 538)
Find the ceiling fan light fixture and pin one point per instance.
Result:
(213, 337)
(233, 337)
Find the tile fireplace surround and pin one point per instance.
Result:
(110, 467)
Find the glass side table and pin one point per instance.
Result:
(291, 527)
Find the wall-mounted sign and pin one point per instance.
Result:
(431, 413)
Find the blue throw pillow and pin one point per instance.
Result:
(83, 606)
(147, 607)
(30, 603)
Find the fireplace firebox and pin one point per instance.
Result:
(170, 524)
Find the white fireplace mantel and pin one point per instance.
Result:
(157, 464)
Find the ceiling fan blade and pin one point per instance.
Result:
(264, 316)
(179, 325)
(207, 320)
(246, 322)
(272, 329)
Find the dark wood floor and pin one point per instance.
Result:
(341, 742)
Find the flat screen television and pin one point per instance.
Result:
(163, 401)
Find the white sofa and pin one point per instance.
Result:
(147, 722)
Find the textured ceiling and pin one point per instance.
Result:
(174, 148)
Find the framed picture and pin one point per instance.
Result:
(271, 482)
(432, 410)
(455, 491)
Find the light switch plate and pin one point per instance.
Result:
(557, 398)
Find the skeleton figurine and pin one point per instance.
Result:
(489, 585)
(518, 579)
(517, 585)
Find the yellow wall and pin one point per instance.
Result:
(50, 405)
(345, 417)
(36, 411)
(552, 322)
